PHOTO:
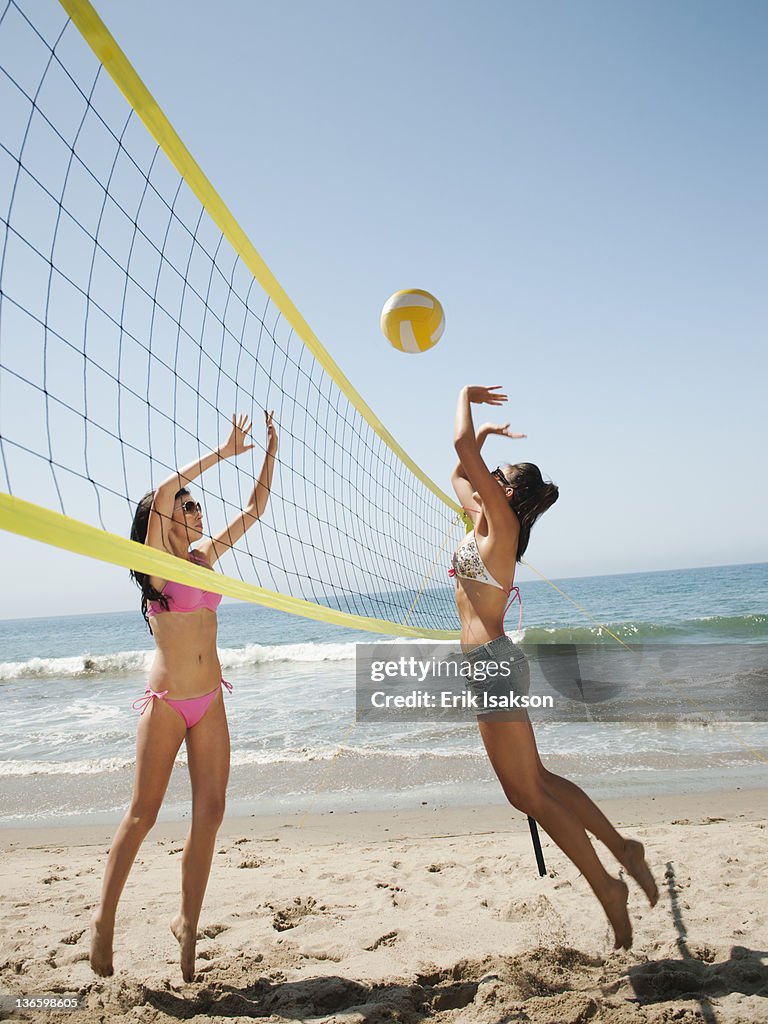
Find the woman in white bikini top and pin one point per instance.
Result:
(468, 565)
(504, 505)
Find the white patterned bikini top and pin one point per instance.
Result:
(468, 565)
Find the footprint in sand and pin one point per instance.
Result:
(396, 893)
(292, 914)
(251, 862)
(385, 940)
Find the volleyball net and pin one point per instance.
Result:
(136, 317)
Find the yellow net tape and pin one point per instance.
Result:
(37, 523)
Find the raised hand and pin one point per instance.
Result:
(500, 428)
(271, 432)
(236, 443)
(486, 396)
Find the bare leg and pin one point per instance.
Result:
(158, 739)
(208, 758)
(511, 748)
(628, 852)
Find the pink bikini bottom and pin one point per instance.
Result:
(191, 710)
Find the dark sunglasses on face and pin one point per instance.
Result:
(500, 477)
(190, 507)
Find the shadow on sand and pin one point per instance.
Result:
(698, 976)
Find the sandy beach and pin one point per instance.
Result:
(436, 914)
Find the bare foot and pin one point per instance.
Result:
(615, 905)
(186, 936)
(635, 864)
(101, 948)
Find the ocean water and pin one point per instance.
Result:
(67, 732)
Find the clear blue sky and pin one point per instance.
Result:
(583, 187)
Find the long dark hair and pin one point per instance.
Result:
(533, 496)
(139, 529)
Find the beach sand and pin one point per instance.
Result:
(436, 914)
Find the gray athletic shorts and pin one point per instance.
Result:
(498, 669)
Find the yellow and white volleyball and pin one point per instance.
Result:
(412, 320)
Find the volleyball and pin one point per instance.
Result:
(412, 320)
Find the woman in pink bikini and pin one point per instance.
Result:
(183, 700)
(504, 505)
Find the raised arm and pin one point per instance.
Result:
(472, 474)
(459, 479)
(165, 494)
(214, 548)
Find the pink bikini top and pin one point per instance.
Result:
(182, 598)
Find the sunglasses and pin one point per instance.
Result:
(500, 477)
(190, 507)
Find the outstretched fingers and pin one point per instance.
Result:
(482, 395)
(243, 424)
(241, 428)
